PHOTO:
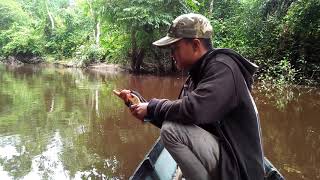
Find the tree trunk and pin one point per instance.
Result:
(50, 16)
(210, 8)
(95, 17)
(139, 60)
(97, 32)
(137, 54)
(134, 50)
(158, 60)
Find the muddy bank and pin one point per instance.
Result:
(107, 68)
(98, 67)
(20, 60)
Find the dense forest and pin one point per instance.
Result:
(281, 36)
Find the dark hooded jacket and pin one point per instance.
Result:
(216, 97)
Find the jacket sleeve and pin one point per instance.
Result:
(212, 99)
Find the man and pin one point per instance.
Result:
(212, 131)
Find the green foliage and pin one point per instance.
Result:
(142, 22)
(115, 43)
(12, 12)
(21, 41)
(72, 30)
(17, 36)
(280, 73)
(141, 14)
(87, 54)
(301, 31)
(280, 36)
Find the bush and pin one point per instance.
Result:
(87, 54)
(280, 73)
(21, 41)
(115, 43)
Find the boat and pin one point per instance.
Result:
(158, 164)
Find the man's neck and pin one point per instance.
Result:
(197, 58)
(201, 54)
(195, 65)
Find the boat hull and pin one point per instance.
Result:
(159, 165)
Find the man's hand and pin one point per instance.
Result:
(139, 110)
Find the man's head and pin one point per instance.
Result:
(189, 38)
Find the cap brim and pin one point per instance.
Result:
(165, 41)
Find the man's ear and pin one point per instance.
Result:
(196, 44)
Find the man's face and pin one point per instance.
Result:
(182, 53)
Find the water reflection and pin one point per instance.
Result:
(66, 124)
(291, 129)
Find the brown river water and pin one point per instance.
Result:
(58, 123)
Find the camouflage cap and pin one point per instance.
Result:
(186, 26)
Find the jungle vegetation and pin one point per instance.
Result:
(281, 36)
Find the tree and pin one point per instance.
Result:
(142, 21)
(301, 36)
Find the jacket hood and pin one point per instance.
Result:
(247, 68)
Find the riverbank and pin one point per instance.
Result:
(146, 68)
(99, 67)
(109, 68)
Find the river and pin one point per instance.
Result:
(64, 123)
